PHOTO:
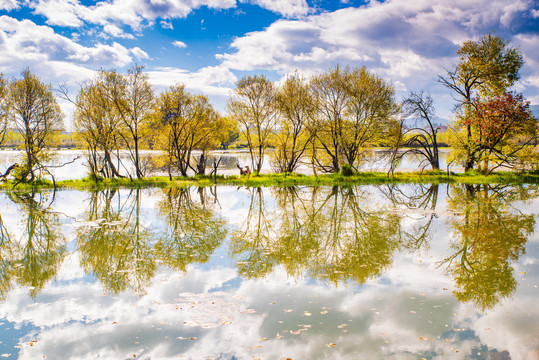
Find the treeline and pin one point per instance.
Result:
(327, 122)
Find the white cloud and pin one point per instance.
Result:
(9, 5)
(166, 24)
(407, 42)
(211, 80)
(287, 8)
(115, 31)
(139, 53)
(179, 44)
(61, 12)
(53, 55)
(133, 13)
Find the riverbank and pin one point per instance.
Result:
(363, 178)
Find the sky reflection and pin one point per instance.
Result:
(403, 307)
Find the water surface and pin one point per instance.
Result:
(377, 272)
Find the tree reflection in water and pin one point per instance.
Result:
(422, 197)
(123, 254)
(488, 233)
(114, 245)
(193, 229)
(36, 256)
(331, 233)
(321, 231)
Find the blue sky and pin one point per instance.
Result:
(210, 44)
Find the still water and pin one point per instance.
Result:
(71, 164)
(365, 272)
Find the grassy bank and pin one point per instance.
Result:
(287, 180)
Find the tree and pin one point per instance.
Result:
(186, 122)
(37, 116)
(133, 97)
(232, 132)
(253, 108)
(369, 114)
(330, 101)
(4, 108)
(486, 68)
(355, 110)
(98, 124)
(501, 127)
(295, 108)
(211, 131)
(421, 138)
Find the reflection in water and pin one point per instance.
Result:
(328, 233)
(192, 231)
(319, 266)
(422, 196)
(320, 231)
(34, 258)
(113, 244)
(122, 253)
(488, 236)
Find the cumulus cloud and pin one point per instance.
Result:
(9, 5)
(133, 13)
(179, 44)
(54, 57)
(408, 42)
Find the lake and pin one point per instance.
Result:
(374, 272)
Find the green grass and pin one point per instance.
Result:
(287, 180)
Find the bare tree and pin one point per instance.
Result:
(421, 137)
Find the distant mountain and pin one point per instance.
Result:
(535, 111)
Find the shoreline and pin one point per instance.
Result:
(269, 180)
